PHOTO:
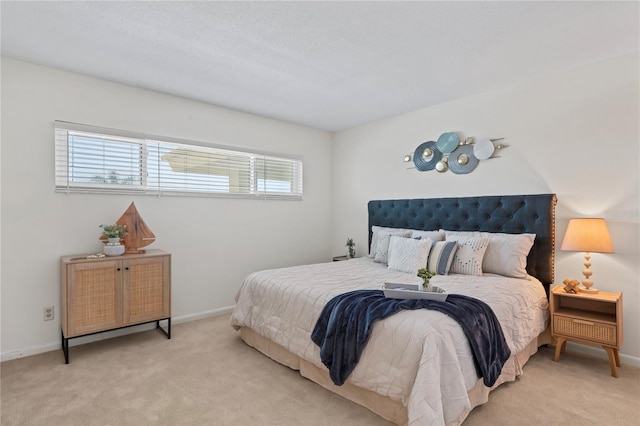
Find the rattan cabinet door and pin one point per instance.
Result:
(146, 289)
(94, 297)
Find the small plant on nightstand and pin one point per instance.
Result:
(351, 248)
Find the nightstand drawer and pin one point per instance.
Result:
(584, 329)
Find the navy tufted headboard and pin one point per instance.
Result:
(511, 214)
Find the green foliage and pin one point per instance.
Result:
(351, 246)
(114, 231)
(425, 275)
(114, 178)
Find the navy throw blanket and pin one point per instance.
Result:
(345, 324)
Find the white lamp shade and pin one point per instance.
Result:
(588, 235)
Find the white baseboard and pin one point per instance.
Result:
(598, 352)
(34, 350)
(202, 315)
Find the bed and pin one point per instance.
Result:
(417, 366)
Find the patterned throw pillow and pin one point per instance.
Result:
(441, 256)
(506, 254)
(375, 232)
(408, 255)
(382, 249)
(468, 257)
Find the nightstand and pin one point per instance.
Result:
(590, 319)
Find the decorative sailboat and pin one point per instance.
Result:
(138, 234)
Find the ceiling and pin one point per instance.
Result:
(326, 65)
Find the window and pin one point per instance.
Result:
(98, 160)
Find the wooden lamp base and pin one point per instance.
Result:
(587, 283)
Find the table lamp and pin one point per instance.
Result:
(589, 235)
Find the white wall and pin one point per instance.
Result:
(574, 133)
(215, 243)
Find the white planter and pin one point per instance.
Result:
(113, 247)
(428, 286)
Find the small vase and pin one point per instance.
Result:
(113, 247)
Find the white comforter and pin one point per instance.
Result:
(419, 358)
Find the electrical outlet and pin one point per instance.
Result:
(47, 313)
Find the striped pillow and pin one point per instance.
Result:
(441, 256)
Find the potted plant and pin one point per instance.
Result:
(351, 248)
(426, 275)
(113, 233)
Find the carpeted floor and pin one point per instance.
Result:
(205, 375)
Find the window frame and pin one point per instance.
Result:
(150, 157)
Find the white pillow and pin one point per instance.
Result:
(408, 255)
(469, 255)
(432, 235)
(382, 249)
(466, 233)
(506, 254)
(375, 230)
(441, 256)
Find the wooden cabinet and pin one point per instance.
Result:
(588, 318)
(114, 292)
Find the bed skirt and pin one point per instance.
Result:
(383, 406)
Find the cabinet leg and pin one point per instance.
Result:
(559, 348)
(65, 348)
(614, 360)
(166, 332)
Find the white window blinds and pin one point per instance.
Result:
(98, 160)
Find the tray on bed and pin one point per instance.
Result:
(401, 293)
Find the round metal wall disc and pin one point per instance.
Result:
(447, 142)
(483, 149)
(426, 162)
(462, 160)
